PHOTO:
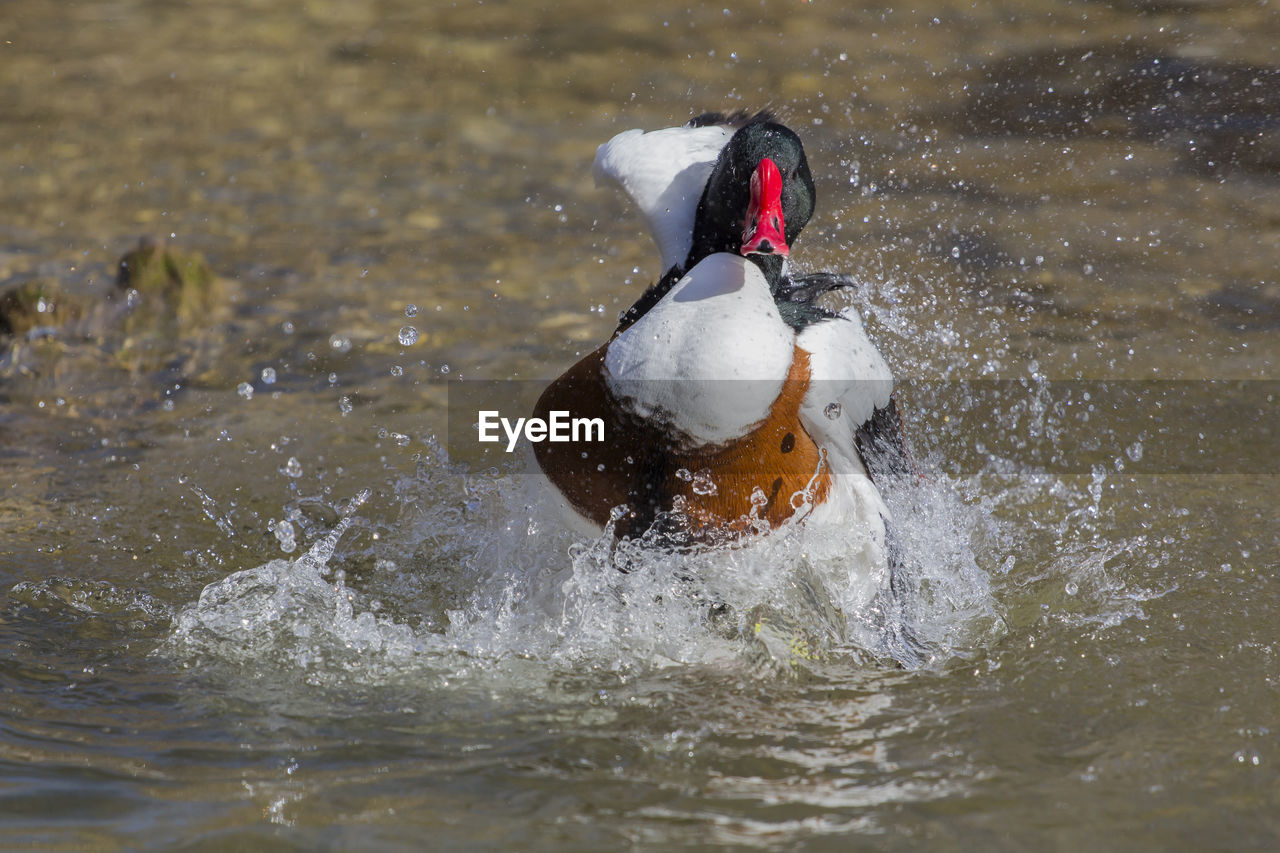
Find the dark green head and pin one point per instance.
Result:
(745, 199)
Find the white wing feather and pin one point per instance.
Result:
(664, 172)
(845, 369)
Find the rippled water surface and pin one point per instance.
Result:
(251, 596)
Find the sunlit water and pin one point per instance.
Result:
(251, 595)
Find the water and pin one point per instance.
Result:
(250, 597)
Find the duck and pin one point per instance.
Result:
(734, 402)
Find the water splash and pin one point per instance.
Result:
(482, 569)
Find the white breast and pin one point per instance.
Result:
(849, 379)
(847, 370)
(664, 172)
(710, 358)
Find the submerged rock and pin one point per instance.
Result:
(159, 320)
(35, 304)
(167, 281)
(162, 288)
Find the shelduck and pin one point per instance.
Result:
(733, 402)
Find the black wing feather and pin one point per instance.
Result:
(886, 456)
(797, 297)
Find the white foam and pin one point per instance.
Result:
(482, 572)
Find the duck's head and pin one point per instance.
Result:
(758, 198)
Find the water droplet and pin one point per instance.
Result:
(1134, 451)
(758, 497)
(411, 310)
(292, 468)
(341, 343)
(268, 376)
(1247, 757)
(703, 484)
(832, 411)
(345, 405)
(397, 370)
(1072, 588)
(284, 534)
(684, 474)
(408, 336)
(244, 389)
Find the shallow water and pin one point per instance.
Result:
(251, 595)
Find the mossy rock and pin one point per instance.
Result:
(169, 281)
(35, 304)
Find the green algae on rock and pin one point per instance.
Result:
(160, 285)
(169, 281)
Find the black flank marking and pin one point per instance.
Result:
(788, 442)
(773, 496)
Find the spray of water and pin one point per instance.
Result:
(482, 569)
